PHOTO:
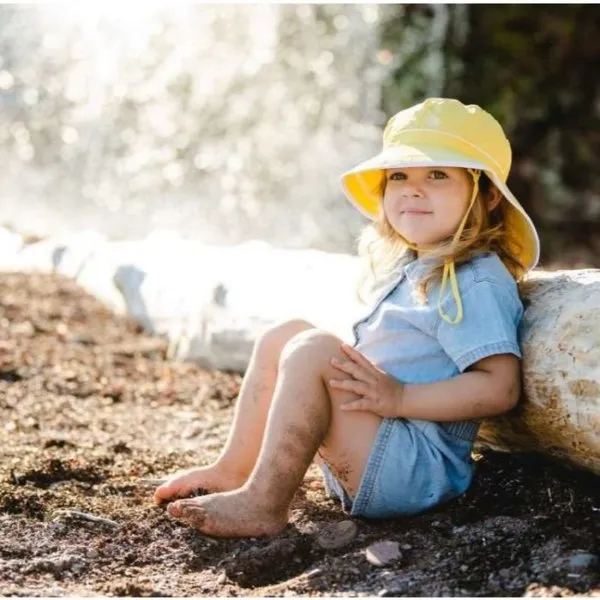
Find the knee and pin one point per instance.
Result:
(272, 341)
(309, 346)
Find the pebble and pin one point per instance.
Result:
(337, 535)
(314, 573)
(584, 561)
(383, 553)
(221, 578)
(309, 528)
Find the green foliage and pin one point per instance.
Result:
(535, 69)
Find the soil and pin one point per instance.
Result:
(90, 405)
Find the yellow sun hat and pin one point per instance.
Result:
(443, 132)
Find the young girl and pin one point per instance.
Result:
(391, 421)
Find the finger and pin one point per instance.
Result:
(360, 404)
(351, 368)
(350, 385)
(357, 357)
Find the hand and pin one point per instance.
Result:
(381, 393)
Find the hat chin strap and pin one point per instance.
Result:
(449, 271)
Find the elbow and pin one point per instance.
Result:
(509, 398)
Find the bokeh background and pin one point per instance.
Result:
(227, 123)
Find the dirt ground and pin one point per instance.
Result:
(89, 405)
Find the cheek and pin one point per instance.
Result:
(453, 216)
(389, 204)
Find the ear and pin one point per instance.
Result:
(494, 198)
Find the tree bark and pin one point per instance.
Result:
(559, 414)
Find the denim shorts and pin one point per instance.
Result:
(413, 466)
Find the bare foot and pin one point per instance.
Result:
(230, 514)
(213, 478)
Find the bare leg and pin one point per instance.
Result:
(240, 452)
(304, 418)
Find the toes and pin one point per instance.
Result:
(163, 492)
(175, 509)
(187, 511)
(194, 515)
(185, 503)
(174, 488)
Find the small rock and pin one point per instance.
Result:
(383, 553)
(406, 547)
(314, 573)
(221, 578)
(337, 535)
(463, 568)
(308, 528)
(583, 561)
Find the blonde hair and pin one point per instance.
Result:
(485, 231)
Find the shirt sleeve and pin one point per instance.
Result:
(490, 324)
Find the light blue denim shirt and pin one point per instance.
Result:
(413, 344)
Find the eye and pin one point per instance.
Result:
(438, 175)
(397, 176)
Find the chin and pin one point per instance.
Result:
(418, 240)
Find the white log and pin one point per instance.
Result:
(213, 302)
(559, 414)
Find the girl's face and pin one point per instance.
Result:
(426, 204)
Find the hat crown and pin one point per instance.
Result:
(448, 123)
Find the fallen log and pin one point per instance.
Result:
(559, 414)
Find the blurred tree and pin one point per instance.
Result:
(535, 69)
(209, 119)
(223, 122)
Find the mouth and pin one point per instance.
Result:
(415, 212)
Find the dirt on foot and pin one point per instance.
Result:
(90, 407)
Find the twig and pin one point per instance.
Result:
(86, 516)
(149, 482)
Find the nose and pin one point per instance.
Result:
(411, 190)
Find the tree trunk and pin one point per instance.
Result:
(559, 414)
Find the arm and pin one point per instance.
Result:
(490, 387)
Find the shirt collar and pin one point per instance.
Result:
(417, 268)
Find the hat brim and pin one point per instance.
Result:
(362, 186)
